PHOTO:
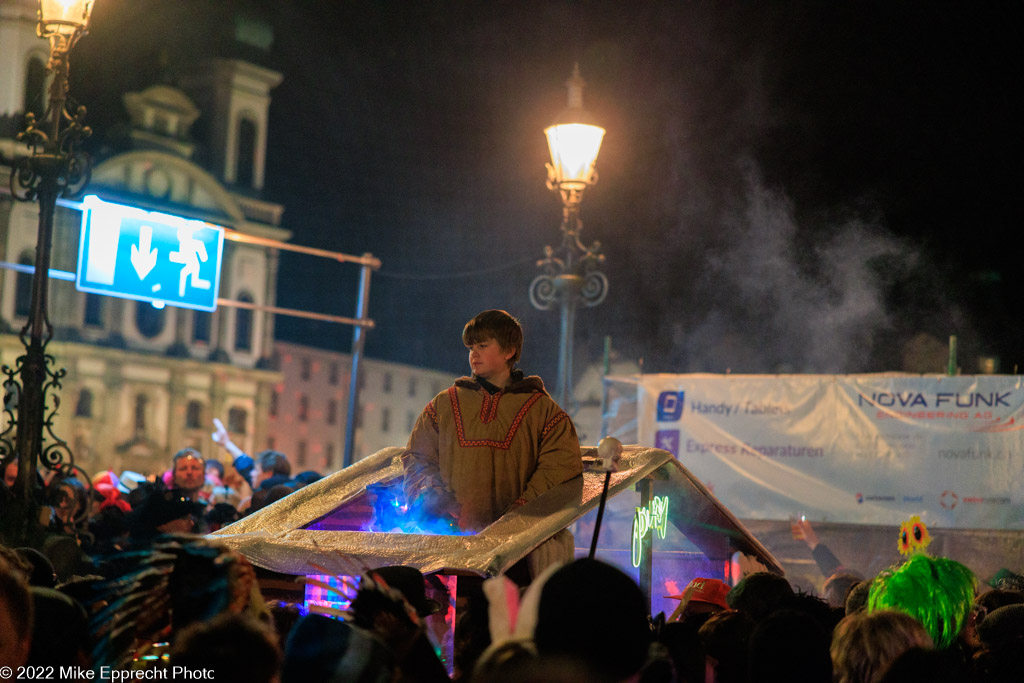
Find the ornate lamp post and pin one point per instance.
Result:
(570, 269)
(53, 168)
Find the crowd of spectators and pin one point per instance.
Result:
(127, 579)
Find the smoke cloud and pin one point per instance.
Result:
(784, 297)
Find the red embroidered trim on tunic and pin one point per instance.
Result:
(552, 422)
(429, 410)
(489, 407)
(453, 396)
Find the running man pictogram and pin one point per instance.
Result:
(190, 252)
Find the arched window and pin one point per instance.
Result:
(243, 324)
(149, 320)
(23, 287)
(201, 327)
(83, 408)
(237, 418)
(194, 415)
(246, 167)
(35, 86)
(303, 413)
(332, 411)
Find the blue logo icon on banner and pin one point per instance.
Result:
(132, 253)
(667, 440)
(670, 406)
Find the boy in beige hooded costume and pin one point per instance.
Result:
(492, 441)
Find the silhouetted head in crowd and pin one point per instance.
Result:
(864, 645)
(163, 511)
(937, 591)
(701, 596)
(221, 515)
(1003, 627)
(236, 647)
(41, 572)
(994, 599)
(269, 465)
(109, 528)
(545, 670)
(308, 477)
(592, 611)
(11, 473)
(188, 471)
(263, 497)
(286, 615)
(857, 598)
(725, 638)
(759, 594)
(69, 499)
(919, 665)
(60, 632)
(816, 608)
(838, 586)
(324, 649)
(1001, 633)
(788, 645)
(1008, 580)
(15, 616)
(215, 470)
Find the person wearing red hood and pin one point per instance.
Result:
(108, 486)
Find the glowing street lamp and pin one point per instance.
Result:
(570, 270)
(53, 167)
(64, 17)
(574, 142)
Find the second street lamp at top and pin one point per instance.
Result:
(571, 274)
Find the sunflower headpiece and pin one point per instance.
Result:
(914, 536)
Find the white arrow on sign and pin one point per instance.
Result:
(142, 257)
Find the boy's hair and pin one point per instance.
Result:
(274, 461)
(499, 326)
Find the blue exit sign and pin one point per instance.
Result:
(132, 253)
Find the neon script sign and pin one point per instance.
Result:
(646, 521)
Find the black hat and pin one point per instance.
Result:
(410, 583)
(160, 506)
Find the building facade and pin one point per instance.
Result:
(308, 407)
(143, 381)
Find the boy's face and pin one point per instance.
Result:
(488, 360)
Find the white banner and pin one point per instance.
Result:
(869, 449)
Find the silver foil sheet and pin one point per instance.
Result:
(275, 538)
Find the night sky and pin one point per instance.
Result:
(784, 187)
